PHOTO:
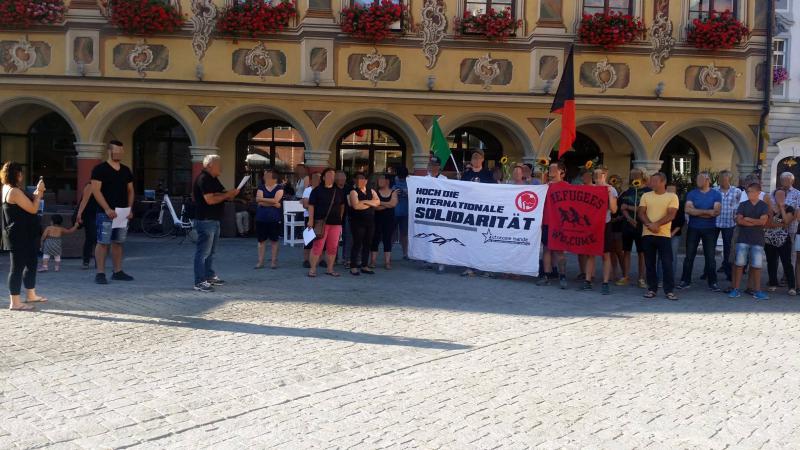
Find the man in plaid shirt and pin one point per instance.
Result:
(792, 197)
(726, 221)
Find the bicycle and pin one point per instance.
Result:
(163, 222)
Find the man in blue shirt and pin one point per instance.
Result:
(703, 205)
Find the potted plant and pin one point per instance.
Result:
(254, 18)
(609, 30)
(371, 23)
(779, 76)
(25, 13)
(144, 17)
(493, 24)
(717, 31)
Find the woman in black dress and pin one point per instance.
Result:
(20, 229)
(362, 200)
(384, 222)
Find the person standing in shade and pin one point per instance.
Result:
(751, 217)
(778, 242)
(209, 197)
(303, 179)
(315, 179)
(362, 201)
(657, 210)
(726, 220)
(478, 173)
(384, 222)
(86, 217)
(555, 175)
(20, 229)
(340, 180)
(703, 205)
(632, 229)
(401, 210)
(600, 179)
(326, 205)
(268, 218)
(112, 187)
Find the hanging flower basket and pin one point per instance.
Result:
(609, 30)
(779, 76)
(254, 18)
(717, 31)
(494, 25)
(144, 17)
(371, 23)
(25, 13)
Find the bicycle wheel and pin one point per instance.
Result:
(151, 226)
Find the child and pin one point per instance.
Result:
(51, 242)
(751, 217)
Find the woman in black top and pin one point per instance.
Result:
(384, 221)
(20, 234)
(362, 201)
(326, 204)
(87, 212)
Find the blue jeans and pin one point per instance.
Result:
(727, 247)
(693, 238)
(207, 238)
(658, 248)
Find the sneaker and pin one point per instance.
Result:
(642, 284)
(761, 295)
(543, 281)
(42, 269)
(121, 276)
(715, 288)
(792, 292)
(562, 282)
(587, 286)
(85, 266)
(100, 278)
(204, 286)
(624, 281)
(605, 290)
(772, 288)
(684, 285)
(306, 265)
(734, 293)
(749, 291)
(216, 281)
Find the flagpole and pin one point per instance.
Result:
(458, 174)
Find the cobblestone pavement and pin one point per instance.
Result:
(406, 359)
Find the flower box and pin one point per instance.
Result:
(25, 13)
(779, 76)
(371, 23)
(717, 31)
(144, 17)
(255, 18)
(494, 25)
(609, 30)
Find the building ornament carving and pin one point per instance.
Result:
(22, 56)
(373, 65)
(140, 58)
(204, 21)
(432, 29)
(711, 79)
(487, 70)
(662, 41)
(604, 74)
(259, 61)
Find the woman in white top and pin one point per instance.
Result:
(313, 182)
(303, 180)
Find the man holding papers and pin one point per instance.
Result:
(210, 197)
(112, 188)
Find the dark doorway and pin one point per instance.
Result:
(268, 144)
(161, 157)
(370, 149)
(681, 161)
(464, 139)
(585, 149)
(51, 153)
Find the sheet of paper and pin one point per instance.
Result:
(308, 235)
(242, 183)
(121, 221)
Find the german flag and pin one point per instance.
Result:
(564, 104)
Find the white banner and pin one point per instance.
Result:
(491, 227)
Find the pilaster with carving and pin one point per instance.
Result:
(432, 29)
(661, 40)
(204, 21)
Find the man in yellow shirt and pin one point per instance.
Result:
(656, 211)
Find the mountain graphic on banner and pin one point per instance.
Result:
(440, 240)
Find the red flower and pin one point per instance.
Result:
(495, 25)
(144, 17)
(717, 31)
(371, 24)
(609, 30)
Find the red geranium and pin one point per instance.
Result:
(24, 13)
(609, 30)
(144, 17)
(717, 31)
(372, 23)
(255, 18)
(494, 25)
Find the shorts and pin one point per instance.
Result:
(796, 244)
(608, 238)
(268, 231)
(754, 252)
(631, 236)
(545, 234)
(107, 235)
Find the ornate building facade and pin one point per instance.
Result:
(312, 93)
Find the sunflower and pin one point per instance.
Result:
(614, 180)
(588, 165)
(504, 160)
(637, 184)
(544, 162)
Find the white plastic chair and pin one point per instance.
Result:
(291, 208)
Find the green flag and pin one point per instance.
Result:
(439, 145)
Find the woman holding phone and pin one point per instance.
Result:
(20, 229)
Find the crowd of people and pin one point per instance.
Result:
(369, 213)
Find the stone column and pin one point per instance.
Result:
(198, 153)
(421, 164)
(317, 160)
(745, 168)
(649, 166)
(90, 154)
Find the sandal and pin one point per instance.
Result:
(650, 294)
(35, 300)
(356, 273)
(22, 307)
(312, 274)
(367, 271)
(258, 266)
(333, 274)
(672, 296)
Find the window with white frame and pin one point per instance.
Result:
(701, 9)
(477, 7)
(779, 51)
(607, 6)
(781, 5)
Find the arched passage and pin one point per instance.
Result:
(495, 134)
(370, 148)
(161, 157)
